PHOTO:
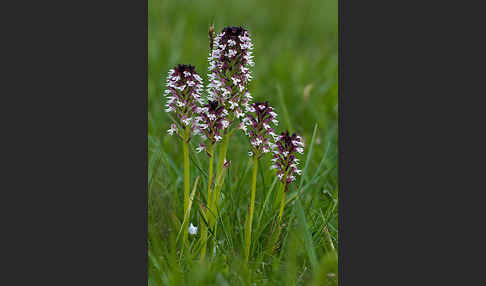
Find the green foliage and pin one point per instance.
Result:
(296, 71)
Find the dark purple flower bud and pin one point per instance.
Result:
(184, 87)
(284, 156)
(211, 37)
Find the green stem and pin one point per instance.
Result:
(273, 241)
(282, 203)
(252, 208)
(219, 176)
(210, 177)
(282, 197)
(204, 229)
(185, 151)
(204, 238)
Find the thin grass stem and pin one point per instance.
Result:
(219, 177)
(282, 202)
(252, 208)
(204, 230)
(185, 151)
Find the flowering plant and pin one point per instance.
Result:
(184, 87)
(285, 162)
(227, 108)
(259, 124)
(229, 74)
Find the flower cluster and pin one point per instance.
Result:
(212, 119)
(284, 156)
(229, 76)
(258, 126)
(215, 118)
(184, 87)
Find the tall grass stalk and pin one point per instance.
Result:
(275, 231)
(185, 222)
(223, 148)
(282, 202)
(252, 208)
(185, 151)
(204, 229)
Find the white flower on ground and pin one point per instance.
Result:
(192, 229)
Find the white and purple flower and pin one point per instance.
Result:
(284, 156)
(213, 121)
(229, 75)
(184, 88)
(259, 126)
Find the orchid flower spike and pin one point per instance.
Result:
(213, 121)
(284, 156)
(259, 124)
(229, 76)
(184, 87)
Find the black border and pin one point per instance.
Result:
(82, 114)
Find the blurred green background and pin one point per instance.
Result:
(296, 70)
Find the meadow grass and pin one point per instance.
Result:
(296, 71)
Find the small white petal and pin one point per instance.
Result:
(192, 229)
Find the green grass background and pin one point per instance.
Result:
(296, 71)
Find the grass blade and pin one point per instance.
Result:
(309, 246)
